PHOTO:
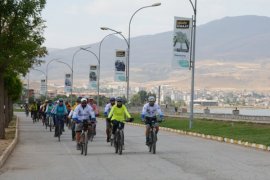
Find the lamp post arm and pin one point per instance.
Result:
(65, 64)
(99, 49)
(193, 7)
(91, 53)
(40, 71)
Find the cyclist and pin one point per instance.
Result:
(96, 110)
(60, 111)
(94, 106)
(83, 112)
(117, 115)
(149, 112)
(33, 110)
(48, 111)
(73, 122)
(107, 110)
(68, 106)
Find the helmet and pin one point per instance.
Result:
(83, 99)
(112, 99)
(119, 99)
(61, 100)
(91, 98)
(151, 99)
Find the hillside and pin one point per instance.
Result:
(231, 53)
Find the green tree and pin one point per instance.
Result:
(136, 100)
(143, 96)
(21, 38)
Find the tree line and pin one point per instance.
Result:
(21, 39)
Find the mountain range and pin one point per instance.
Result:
(231, 53)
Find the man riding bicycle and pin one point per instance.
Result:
(118, 115)
(149, 113)
(60, 111)
(83, 112)
(107, 110)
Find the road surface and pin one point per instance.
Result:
(39, 156)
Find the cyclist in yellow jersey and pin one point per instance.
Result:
(118, 115)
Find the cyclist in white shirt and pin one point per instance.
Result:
(149, 113)
(83, 112)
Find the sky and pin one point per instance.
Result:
(73, 23)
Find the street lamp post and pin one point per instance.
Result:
(194, 7)
(85, 49)
(128, 53)
(99, 57)
(128, 42)
(73, 57)
(47, 75)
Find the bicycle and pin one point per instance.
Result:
(152, 135)
(34, 117)
(84, 137)
(92, 131)
(118, 140)
(58, 126)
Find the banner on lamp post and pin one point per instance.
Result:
(182, 42)
(43, 87)
(93, 77)
(120, 66)
(67, 83)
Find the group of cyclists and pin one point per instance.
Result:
(85, 110)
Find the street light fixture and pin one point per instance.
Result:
(85, 49)
(116, 32)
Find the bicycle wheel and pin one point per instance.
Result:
(50, 123)
(59, 131)
(110, 133)
(154, 141)
(91, 133)
(85, 144)
(116, 143)
(82, 142)
(120, 141)
(150, 141)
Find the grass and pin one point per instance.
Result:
(19, 110)
(250, 132)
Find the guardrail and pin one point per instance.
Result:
(215, 116)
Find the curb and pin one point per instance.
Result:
(11, 147)
(210, 137)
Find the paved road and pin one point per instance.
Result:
(40, 156)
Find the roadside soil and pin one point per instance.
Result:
(10, 135)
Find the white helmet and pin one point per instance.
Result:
(83, 99)
(151, 99)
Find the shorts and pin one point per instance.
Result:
(151, 121)
(79, 126)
